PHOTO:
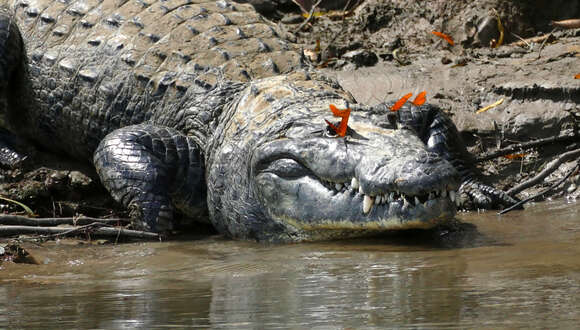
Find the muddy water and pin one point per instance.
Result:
(523, 269)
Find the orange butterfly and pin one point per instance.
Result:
(420, 99)
(515, 156)
(342, 127)
(399, 104)
(444, 37)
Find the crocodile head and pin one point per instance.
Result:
(277, 174)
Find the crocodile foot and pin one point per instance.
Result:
(476, 195)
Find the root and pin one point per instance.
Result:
(547, 171)
(93, 229)
(18, 220)
(526, 145)
(541, 193)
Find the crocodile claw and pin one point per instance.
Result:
(476, 195)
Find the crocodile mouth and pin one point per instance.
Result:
(380, 202)
(342, 208)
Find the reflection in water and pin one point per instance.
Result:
(531, 277)
(342, 289)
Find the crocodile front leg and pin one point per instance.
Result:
(152, 171)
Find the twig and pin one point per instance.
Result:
(526, 145)
(19, 220)
(75, 230)
(310, 14)
(568, 23)
(504, 211)
(342, 25)
(491, 106)
(544, 42)
(545, 172)
(522, 40)
(526, 42)
(59, 231)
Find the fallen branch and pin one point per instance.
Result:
(568, 23)
(528, 41)
(526, 145)
(19, 220)
(504, 211)
(545, 172)
(71, 231)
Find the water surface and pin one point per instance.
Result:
(522, 270)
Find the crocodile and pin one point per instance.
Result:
(200, 107)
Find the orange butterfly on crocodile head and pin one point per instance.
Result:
(342, 127)
(419, 100)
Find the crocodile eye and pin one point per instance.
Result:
(286, 168)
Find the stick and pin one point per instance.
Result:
(545, 172)
(568, 23)
(504, 211)
(544, 43)
(310, 14)
(58, 231)
(526, 42)
(526, 145)
(491, 106)
(19, 220)
(342, 26)
(522, 40)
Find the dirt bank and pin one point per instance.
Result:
(381, 50)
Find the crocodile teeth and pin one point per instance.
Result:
(354, 183)
(378, 199)
(417, 200)
(338, 186)
(443, 193)
(405, 201)
(360, 191)
(452, 195)
(367, 204)
(391, 197)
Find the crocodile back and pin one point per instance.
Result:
(96, 65)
